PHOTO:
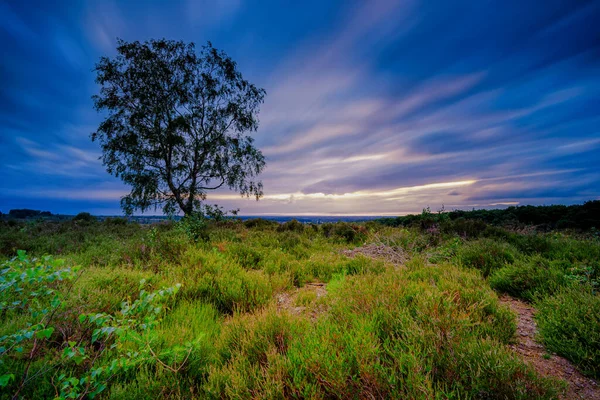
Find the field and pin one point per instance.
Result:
(257, 309)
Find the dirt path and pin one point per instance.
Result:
(579, 386)
(288, 301)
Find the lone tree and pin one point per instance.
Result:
(177, 124)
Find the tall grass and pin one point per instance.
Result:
(431, 328)
(569, 325)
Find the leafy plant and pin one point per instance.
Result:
(30, 287)
(195, 226)
(125, 336)
(85, 217)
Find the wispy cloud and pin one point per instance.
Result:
(368, 104)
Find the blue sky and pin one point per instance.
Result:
(378, 107)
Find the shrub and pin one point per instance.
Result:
(84, 217)
(293, 226)
(486, 255)
(247, 256)
(228, 286)
(349, 233)
(195, 226)
(30, 290)
(116, 221)
(253, 351)
(467, 228)
(531, 243)
(530, 278)
(569, 325)
(260, 223)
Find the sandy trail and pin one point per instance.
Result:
(579, 386)
(287, 300)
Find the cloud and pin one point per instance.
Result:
(368, 104)
(210, 12)
(56, 160)
(70, 194)
(104, 22)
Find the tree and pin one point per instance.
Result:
(177, 124)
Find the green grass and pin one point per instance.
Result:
(569, 325)
(432, 328)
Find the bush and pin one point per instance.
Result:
(529, 279)
(349, 233)
(486, 255)
(84, 217)
(292, 226)
(116, 221)
(467, 228)
(569, 325)
(532, 243)
(247, 256)
(260, 223)
(195, 226)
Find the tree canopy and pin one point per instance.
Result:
(178, 124)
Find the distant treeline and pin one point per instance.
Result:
(24, 213)
(585, 216)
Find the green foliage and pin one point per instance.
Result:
(177, 124)
(486, 255)
(291, 226)
(126, 338)
(84, 217)
(194, 226)
(115, 221)
(27, 213)
(68, 237)
(248, 323)
(217, 213)
(467, 228)
(569, 325)
(530, 278)
(349, 233)
(585, 217)
(586, 274)
(446, 251)
(28, 290)
(386, 335)
(246, 256)
(260, 223)
(27, 286)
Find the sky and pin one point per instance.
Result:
(372, 107)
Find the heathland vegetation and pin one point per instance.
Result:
(225, 308)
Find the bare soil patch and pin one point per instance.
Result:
(289, 301)
(579, 386)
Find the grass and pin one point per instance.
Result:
(569, 324)
(431, 328)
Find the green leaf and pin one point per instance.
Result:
(5, 379)
(55, 302)
(44, 333)
(99, 389)
(79, 359)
